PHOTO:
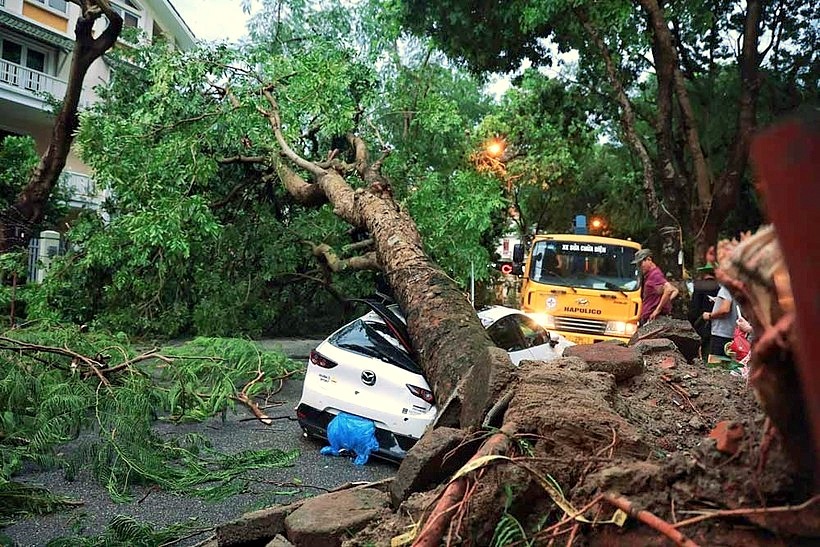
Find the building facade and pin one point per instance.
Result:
(36, 40)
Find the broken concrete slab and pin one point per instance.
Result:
(427, 462)
(256, 526)
(279, 541)
(327, 520)
(679, 331)
(622, 362)
(654, 345)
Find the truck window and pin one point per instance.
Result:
(587, 265)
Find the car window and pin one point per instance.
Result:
(534, 334)
(373, 339)
(505, 334)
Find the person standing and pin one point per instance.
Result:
(724, 318)
(656, 292)
(703, 294)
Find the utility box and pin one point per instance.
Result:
(48, 247)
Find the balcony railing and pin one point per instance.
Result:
(31, 81)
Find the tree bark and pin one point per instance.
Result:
(29, 208)
(728, 185)
(714, 199)
(464, 369)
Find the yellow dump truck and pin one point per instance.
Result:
(584, 287)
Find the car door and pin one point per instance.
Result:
(506, 334)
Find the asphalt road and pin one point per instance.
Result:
(311, 474)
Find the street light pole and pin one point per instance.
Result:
(472, 283)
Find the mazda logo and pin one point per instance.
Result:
(582, 301)
(368, 377)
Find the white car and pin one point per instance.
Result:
(367, 368)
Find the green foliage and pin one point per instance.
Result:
(125, 531)
(24, 500)
(18, 157)
(560, 165)
(509, 531)
(454, 214)
(50, 396)
(707, 35)
(222, 364)
(196, 243)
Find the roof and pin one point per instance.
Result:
(32, 30)
(490, 315)
(171, 21)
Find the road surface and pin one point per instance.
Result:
(311, 474)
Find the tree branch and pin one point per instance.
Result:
(307, 194)
(276, 125)
(367, 261)
(242, 159)
(627, 117)
(358, 245)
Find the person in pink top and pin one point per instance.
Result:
(656, 292)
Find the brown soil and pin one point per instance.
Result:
(646, 439)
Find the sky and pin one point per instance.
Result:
(213, 19)
(224, 20)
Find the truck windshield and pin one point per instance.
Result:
(585, 265)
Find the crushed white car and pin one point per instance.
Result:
(366, 368)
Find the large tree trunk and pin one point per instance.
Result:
(727, 188)
(714, 198)
(29, 208)
(465, 370)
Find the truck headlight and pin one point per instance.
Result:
(544, 319)
(620, 328)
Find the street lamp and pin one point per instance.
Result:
(598, 225)
(495, 148)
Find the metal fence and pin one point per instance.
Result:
(33, 254)
(38, 258)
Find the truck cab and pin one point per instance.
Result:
(584, 287)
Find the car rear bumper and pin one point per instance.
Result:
(392, 447)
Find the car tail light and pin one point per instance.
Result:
(421, 393)
(320, 360)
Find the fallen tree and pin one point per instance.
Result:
(564, 435)
(466, 371)
(575, 451)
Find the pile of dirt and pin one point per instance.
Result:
(645, 439)
(675, 403)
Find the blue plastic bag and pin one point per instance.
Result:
(352, 433)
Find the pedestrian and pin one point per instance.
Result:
(723, 318)
(656, 292)
(704, 289)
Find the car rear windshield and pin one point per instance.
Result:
(374, 339)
